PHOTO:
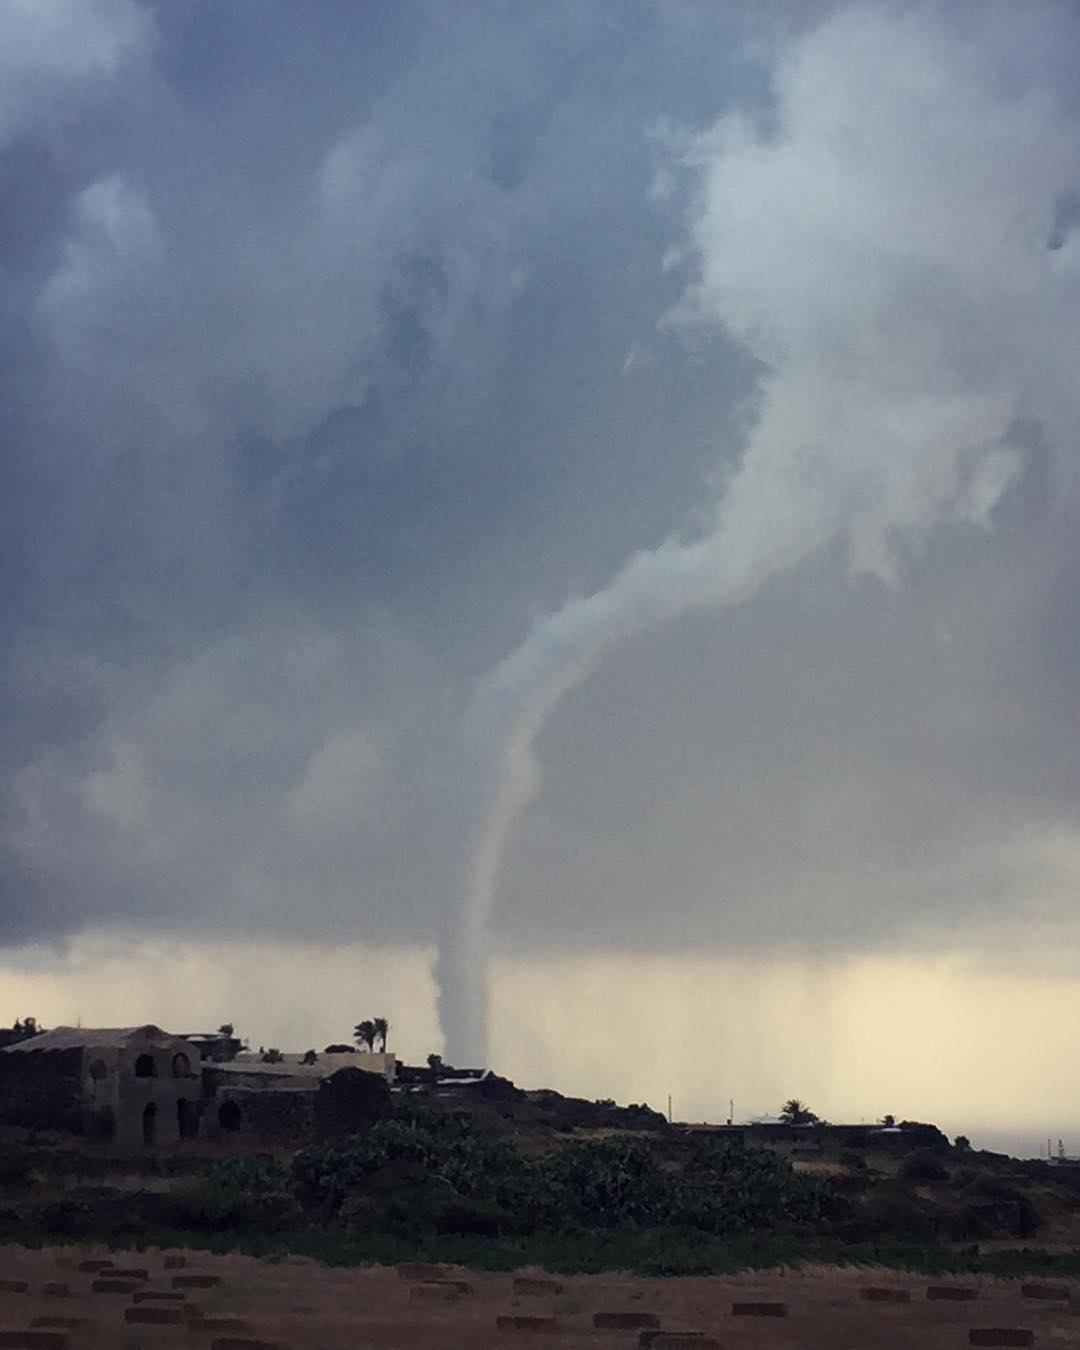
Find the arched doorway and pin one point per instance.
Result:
(187, 1121)
(149, 1123)
(229, 1116)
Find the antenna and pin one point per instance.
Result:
(669, 1108)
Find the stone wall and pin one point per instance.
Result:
(271, 1116)
(43, 1090)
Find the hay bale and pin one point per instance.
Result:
(438, 1290)
(92, 1267)
(756, 1309)
(883, 1294)
(235, 1326)
(244, 1343)
(520, 1322)
(1001, 1336)
(1053, 1291)
(14, 1286)
(150, 1314)
(195, 1281)
(677, 1340)
(536, 1284)
(106, 1286)
(418, 1272)
(158, 1296)
(624, 1321)
(33, 1340)
(955, 1293)
(136, 1273)
(59, 1323)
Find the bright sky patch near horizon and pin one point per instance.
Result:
(346, 350)
(855, 1039)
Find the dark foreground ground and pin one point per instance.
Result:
(301, 1305)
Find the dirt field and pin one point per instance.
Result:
(306, 1307)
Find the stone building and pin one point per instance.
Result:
(142, 1088)
(136, 1085)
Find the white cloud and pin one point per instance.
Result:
(337, 784)
(56, 56)
(111, 258)
(884, 252)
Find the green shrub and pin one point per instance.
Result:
(922, 1165)
(234, 1193)
(992, 1206)
(205, 1206)
(894, 1213)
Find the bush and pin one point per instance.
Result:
(993, 1207)
(894, 1213)
(849, 1158)
(922, 1165)
(204, 1206)
(474, 1218)
(234, 1193)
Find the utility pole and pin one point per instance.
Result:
(669, 1108)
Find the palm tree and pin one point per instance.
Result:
(382, 1030)
(364, 1035)
(794, 1112)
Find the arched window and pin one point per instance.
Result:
(144, 1067)
(229, 1116)
(181, 1066)
(98, 1070)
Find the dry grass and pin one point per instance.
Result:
(308, 1307)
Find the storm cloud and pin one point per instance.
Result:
(342, 346)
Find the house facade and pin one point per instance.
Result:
(136, 1085)
(142, 1088)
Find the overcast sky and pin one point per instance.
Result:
(342, 343)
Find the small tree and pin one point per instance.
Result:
(794, 1112)
(273, 1056)
(227, 1044)
(382, 1030)
(889, 1122)
(435, 1063)
(310, 1057)
(962, 1144)
(364, 1034)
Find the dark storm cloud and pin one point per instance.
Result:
(331, 354)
